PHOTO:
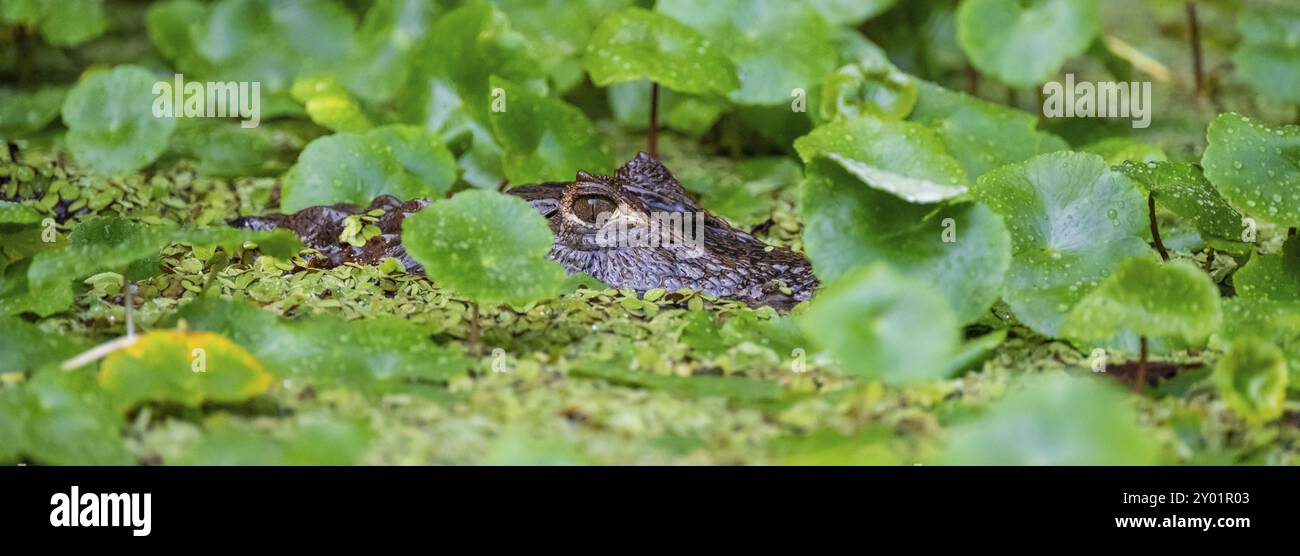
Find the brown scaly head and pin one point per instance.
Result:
(636, 229)
(639, 229)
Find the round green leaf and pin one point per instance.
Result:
(1269, 54)
(111, 125)
(982, 135)
(1072, 222)
(634, 44)
(23, 112)
(851, 12)
(1252, 378)
(1173, 302)
(1054, 420)
(403, 161)
(1025, 42)
(901, 158)
(1272, 277)
(486, 246)
(777, 46)
(1255, 167)
(863, 88)
(880, 324)
(962, 249)
(1182, 189)
(544, 139)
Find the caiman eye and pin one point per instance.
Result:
(589, 207)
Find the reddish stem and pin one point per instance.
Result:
(652, 139)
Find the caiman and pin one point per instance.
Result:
(590, 218)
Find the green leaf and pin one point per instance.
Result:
(60, 22)
(386, 48)
(486, 246)
(847, 226)
(403, 161)
(1073, 222)
(560, 31)
(1272, 277)
(270, 42)
(182, 367)
(544, 139)
(58, 419)
(111, 125)
(1269, 55)
(982, 135)
(330, 105)
(865, 88)
(1182, 189)
(777, 46)
(1252, 378)
(372, 355)
(1255, 167)
(901, 158)
(635, 44)
(851, 12)
(224, 149)
(1121, 150)
(1267, 319)
(19, 213)
(25, 347)
(1025, 42)
(879, 324)
(1174, 302)
(738, 389)
(1054, 420)
(23, 112)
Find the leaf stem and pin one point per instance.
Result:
(652, 139)
(1155, 230)
(1194, 36)
(1142, 365)
(473, 326)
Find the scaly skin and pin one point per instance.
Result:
(731, 264)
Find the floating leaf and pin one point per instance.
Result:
(777, 46)
(1054, 420)
(848, 226)
(1072, 220)
(1183, 190)
(1025, 42)
(18, 213)
(1173, 302)
(1255, 167)
(314, 439)
(224, 149)
(111, 125)
(1269, 54)
(981, 134)
(879, 324)
(738, 389)
(901, 158)
(1267, 319)
(544, 139)
(403, 161)
(386, 46)
(860, 88)
(182, 367)
(486, 246)
(60, 22)
(1252, 378)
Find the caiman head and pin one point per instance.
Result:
(640, 229)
